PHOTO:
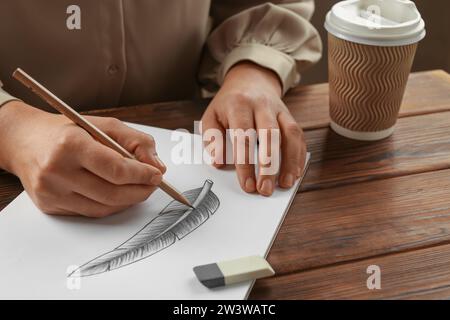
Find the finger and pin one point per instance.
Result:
(147, 154)
(293, 150)
(59, 212)
(76, 204)
(140, 144)
(243, 137)
(214, 134)
(106, 193)
(112, 167)
(268, 152)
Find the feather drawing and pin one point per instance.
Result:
(174, 222)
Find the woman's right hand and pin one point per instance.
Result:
(65, 171)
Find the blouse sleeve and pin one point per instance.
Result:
(4, 96)
(275, 35)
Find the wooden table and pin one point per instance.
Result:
(385, 203)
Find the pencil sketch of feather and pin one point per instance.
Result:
(174, 222)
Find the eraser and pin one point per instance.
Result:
(233, 271)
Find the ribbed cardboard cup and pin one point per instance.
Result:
(367, 84)
(371, 48)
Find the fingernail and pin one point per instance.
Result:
(289, 180)
(250, 185)
(156, 179)
(267, 187)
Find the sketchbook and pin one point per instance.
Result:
(147, 251)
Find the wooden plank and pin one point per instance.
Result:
(10, 187)
(418, 274)
(419, 144)
(444, 75)
(168, 115)
(362, 220)
(427, 92)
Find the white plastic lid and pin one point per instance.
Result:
(376, 22)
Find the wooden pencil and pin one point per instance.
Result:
(95, 132)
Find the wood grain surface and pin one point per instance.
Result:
(385, 203)
(363, 220)
(10, 188)
(419, 144)
(418, 274)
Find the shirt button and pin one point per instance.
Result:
(113, 69)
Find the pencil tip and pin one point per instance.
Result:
(187, 202)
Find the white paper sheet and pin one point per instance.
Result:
(37, 250)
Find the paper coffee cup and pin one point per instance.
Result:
(372, 44)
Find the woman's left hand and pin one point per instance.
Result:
(250, 98)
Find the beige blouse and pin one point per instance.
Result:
(106, 53)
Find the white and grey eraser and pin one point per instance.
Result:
(233, 271)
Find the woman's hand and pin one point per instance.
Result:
(250, 98)
(65, 171)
